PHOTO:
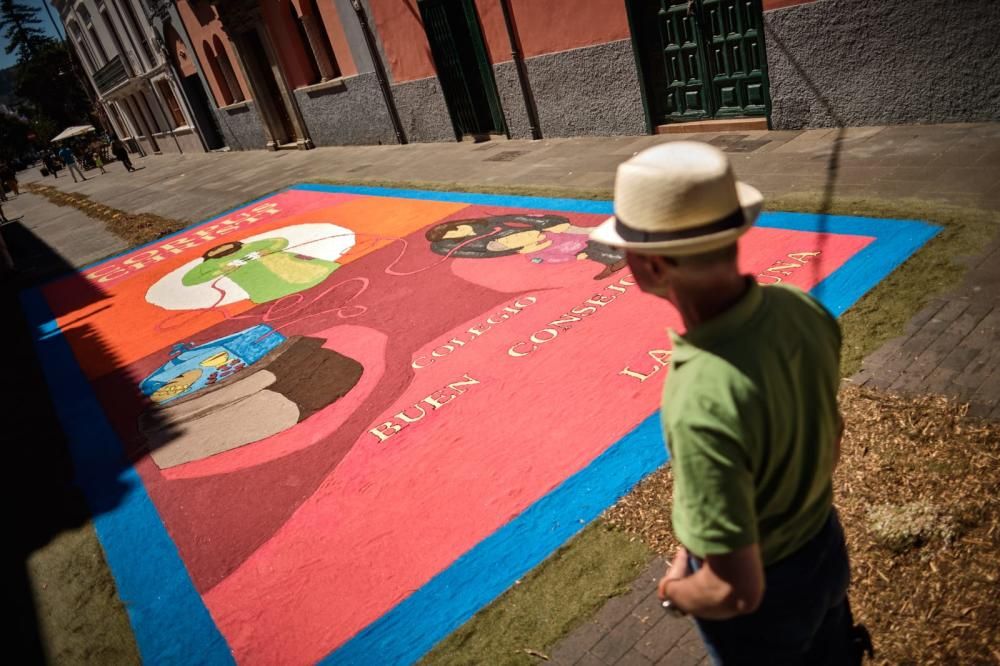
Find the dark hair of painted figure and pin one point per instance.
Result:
(222, 250)
(544, 238)
(472, 238)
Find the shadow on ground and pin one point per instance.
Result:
(55, 575)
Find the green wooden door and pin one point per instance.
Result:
(463, 69)
(734, 37)
(700, 59)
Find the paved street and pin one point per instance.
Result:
(79, 239)
(949, 347)
(957, 164)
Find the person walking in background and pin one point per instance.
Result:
(7, 266)
(750, 418)
(50, 164)
(9, 178)
(69, 159)
(118, 150)
(3, 217)
(98, 162)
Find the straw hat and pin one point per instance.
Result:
(678, 198)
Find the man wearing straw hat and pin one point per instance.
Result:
(750, 417)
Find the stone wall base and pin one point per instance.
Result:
(241, 126)
(855, 62)
(582, 92)
(347, 111)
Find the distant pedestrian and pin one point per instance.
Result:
(118, 150)
(7, 266)
(69, 159)
(49, 163)
(9, 178)
(97, 160)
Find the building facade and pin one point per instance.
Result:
(138, 81)
(302, 73)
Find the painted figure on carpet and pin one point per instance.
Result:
(192, 368)
(261, 268)
(237, 390)
(546, 238)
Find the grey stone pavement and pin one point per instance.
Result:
(950, 347)
(633, 630)
(67, 231)
(957, 164)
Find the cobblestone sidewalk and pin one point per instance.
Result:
(950, 347)
(633, 630)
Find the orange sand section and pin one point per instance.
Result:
(111, 325)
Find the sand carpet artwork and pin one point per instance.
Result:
(331, 425)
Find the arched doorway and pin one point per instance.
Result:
(194, 91)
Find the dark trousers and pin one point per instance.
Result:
(804, 618)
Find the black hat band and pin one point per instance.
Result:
(734, 220)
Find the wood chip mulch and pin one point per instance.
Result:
(134, 228)
(918, 490)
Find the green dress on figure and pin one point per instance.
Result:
(261, 268)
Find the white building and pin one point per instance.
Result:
(132, 74)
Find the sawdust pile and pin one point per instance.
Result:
(918, 490)
(133, 228)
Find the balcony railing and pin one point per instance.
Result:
(111, 75)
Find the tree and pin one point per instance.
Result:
(19, 23)
(48, 83)
(14, 133)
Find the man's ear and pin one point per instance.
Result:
(651, 271)
(657, 267)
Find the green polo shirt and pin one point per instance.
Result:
(750, 417)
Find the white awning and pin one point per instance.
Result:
(70, 132)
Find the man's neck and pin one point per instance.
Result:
(696, 310)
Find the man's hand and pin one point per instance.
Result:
(724, 586)
(678, 569)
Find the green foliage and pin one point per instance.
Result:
(48, 83)
(46, 86)
(44, 129)
(19, 23)
(902, 527)
(13, 136)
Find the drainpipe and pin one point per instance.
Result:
(522, 71)
(383, 78)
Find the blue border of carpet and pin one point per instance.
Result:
(170, 621)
